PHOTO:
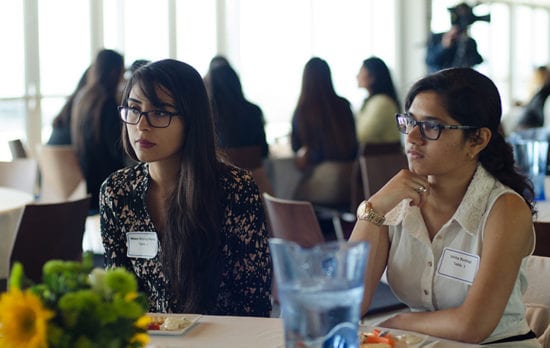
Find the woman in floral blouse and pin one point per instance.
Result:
(190, 227)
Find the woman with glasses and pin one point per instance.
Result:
(190, 227)
(454, 229)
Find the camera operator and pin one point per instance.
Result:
(455, 48)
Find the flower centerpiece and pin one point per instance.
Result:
(74, 306)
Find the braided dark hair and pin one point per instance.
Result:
(472, 99)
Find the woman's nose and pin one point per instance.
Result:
(143, 124)
(415, 135)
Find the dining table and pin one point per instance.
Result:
(12, 203)
(254, 332)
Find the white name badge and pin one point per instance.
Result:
(458, 265)
(142, 245)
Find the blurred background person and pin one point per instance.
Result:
(237, 121)
(375, 121)
(323, 127)
(96, 124)
(61, 124)
(455, 48)
(537, 110)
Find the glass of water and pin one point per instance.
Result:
(320, 292)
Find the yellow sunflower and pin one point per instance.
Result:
(23, 320)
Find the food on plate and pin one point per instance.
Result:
(377, 339)
(384, 339)
(168, 323)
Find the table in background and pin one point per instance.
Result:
(12, 203)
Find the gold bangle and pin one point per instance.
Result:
(366, 212)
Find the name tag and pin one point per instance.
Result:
(142, 245)
(458, 265)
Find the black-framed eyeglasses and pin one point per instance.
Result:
(155, 118)
(429, 130)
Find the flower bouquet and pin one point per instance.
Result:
(75, 306)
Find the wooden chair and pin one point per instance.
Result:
(294, 221)
(542, 230)
(377, 169)
(17, 149)
(19, 174)
(367, 149)
(62, 178)
(49, 231)
(250, 158)
(537, 299)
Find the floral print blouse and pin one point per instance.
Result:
(245, 286)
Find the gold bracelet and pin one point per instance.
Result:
(365, 212)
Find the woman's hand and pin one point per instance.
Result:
(403, 185)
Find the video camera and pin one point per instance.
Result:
(462, 15)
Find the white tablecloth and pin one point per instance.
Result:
(249, 332)
(12, 203)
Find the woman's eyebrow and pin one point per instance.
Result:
(426, 118)
(137, 101)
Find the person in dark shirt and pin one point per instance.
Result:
(201, 222)
(237, 121)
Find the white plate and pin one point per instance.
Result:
(193, 318)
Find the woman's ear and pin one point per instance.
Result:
(479, 140)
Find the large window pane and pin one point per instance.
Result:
(12, 68)
(12, 119)
(64, 44)
(143, 25)
(196, 32)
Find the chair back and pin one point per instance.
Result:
(17, 149)
(49, 231)
(367, 149)
(293, 220)
(537, 299)
(62, 178)
(247, 157)
(542, 231)
(250, 158)
(19, 174)
(378, 169)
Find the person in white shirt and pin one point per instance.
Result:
(454, 229)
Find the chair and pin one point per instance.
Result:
(367, 149)
(62, 178)
(377, 169)
(19, 174)
(17, 149)
(294, 221)
(49, 231)
(542, 230)
(250, 158)
(537, 299)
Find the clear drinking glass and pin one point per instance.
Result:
(320, 292)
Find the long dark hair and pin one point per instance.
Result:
(382, 81)
(192, 239)
(102, 85)
(472, 99)
(325, 120)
